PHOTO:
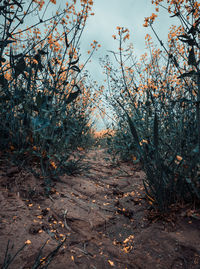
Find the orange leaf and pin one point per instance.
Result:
(179, 158)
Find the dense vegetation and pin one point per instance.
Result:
(47, 102)
(157, 106)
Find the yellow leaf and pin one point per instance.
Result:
(126, 240)
(144, 141)
(72, 257)
(53, 165)
(61, 235)
(111, 263)
(28, 242)
(42, 259)
(126, 249)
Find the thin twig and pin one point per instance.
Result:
(65, 220)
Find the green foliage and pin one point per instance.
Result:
(121, 143)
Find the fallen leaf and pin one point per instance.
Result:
(111, 263)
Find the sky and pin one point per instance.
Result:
(108, 14)
(125, 13)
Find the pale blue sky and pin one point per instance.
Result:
(108, 15)
(127, 13)
(112, 13)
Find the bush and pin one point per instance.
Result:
(157, 99)
(45, 100)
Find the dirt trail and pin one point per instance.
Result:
(103, 215)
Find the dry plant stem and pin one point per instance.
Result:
(65, 220)
(122, 69)
(84, 250)
(198, 110)
(51, 198)
(170, 56)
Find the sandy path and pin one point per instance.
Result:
(103, 215)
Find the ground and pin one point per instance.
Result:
(104, 215)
